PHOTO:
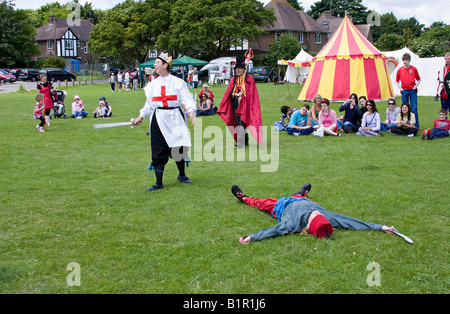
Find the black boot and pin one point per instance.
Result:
(237, 192)
(304, 190)
(182, 176)
(159, 172)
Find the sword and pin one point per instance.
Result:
(407, 239)
(113, 125)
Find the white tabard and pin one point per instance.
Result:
(169, 92)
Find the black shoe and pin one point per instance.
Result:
(347, 129)
(184, 179)
(304, 190)
(237, 192)
(155, 187)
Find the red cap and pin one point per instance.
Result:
(320, 227)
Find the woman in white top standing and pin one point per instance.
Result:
(127, 80)
(119, 81)
(371, 122)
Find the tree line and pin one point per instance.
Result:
(205, 29)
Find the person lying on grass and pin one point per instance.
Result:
(298, 214)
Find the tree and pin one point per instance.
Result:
(16, 36)
(389, 24)
(355, 8)
(413, 24)
(285, 47)
(40, 16)
(129, 30)
(407, 35)
(297, 5)
(433, 42)
(207, 28)
(390, 42)
(55, 62)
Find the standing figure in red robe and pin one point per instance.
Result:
(240, 108)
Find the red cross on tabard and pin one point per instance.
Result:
(164, 98)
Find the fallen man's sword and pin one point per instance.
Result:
(113, 125)
(407, 239)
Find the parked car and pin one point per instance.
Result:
(54, 74)
(115, 70)
(264, 74)
(29, 75)
(6, 77)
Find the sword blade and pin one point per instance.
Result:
(112, 125)
(407, 239)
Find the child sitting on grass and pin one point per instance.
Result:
(38, 112)
(441, 127)
(286, 113)
(101, 110)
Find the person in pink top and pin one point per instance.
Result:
(327, 120)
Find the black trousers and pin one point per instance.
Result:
(42, 121)
(160, 150)
(241, 129)
(400, 131)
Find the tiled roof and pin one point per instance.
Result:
(81, 31)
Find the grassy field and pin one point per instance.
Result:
(78, 195)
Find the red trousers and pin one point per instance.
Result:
(264, 204)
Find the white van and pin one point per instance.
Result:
(215, 69)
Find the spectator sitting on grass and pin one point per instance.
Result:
(316, 108)
(352, 115)
(405, 122)
(391, 116)
(441, 127)
(100, 111)
(108, 111)
(327, 121)
(78, 108)
(286, 113)
(371, 122)
(300, 122)
(206, 106)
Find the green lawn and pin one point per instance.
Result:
(75, 194)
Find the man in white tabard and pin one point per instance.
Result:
(169, 132)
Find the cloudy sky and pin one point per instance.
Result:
(426, 12)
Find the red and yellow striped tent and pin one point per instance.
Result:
(347, 64)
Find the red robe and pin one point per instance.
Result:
(249, 109)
